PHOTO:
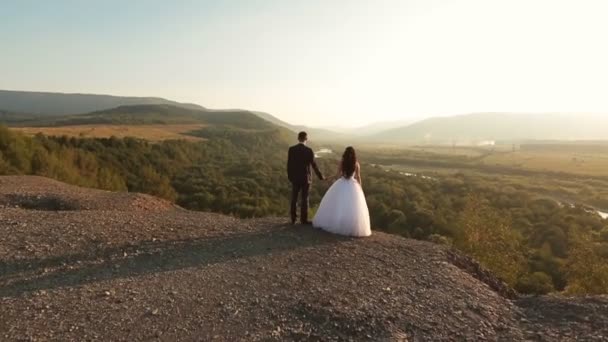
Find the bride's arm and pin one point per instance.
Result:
(358, 174)
(339, 173)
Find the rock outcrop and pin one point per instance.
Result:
(79, 264)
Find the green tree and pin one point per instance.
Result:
(536, 283)
(586, 271)
(486, 235)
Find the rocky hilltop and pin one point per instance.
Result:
(79, 264)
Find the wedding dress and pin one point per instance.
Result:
(343, 209)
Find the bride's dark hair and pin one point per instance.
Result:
(349, 162)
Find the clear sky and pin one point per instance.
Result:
(317, 62)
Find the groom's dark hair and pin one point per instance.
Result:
(302, 136)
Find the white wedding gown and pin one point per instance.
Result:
(343, 209)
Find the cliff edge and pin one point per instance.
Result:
(78, 264)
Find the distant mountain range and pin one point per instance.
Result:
(38, 107)
(42, 108)
(315, 133)
(374, 128)
(478, 127)
(41, 103)
(156, 114)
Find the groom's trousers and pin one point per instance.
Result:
(296, 190)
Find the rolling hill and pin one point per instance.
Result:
(14, 117)
(154, 123)
(34, 107)
(160, 114)
(56, 104)
(374, 127)
(477, 127)
(314, 133)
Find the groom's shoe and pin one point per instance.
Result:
(307, 223)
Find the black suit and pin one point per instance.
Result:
(300, 161)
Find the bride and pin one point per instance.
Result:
(343, 209)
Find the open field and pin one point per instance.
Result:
(565, 158)
(148, 132)
(593, 161)
(444, 150)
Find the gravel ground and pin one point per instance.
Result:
(82, 265)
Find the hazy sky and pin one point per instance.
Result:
(317, 62)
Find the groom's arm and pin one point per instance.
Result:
(314, 166)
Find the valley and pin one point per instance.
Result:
(537, 202)
(392, 170)
(565, 172)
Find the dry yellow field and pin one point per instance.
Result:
(148, 132)
(581, 159)
(588, 163)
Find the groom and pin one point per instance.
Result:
(299, 162)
